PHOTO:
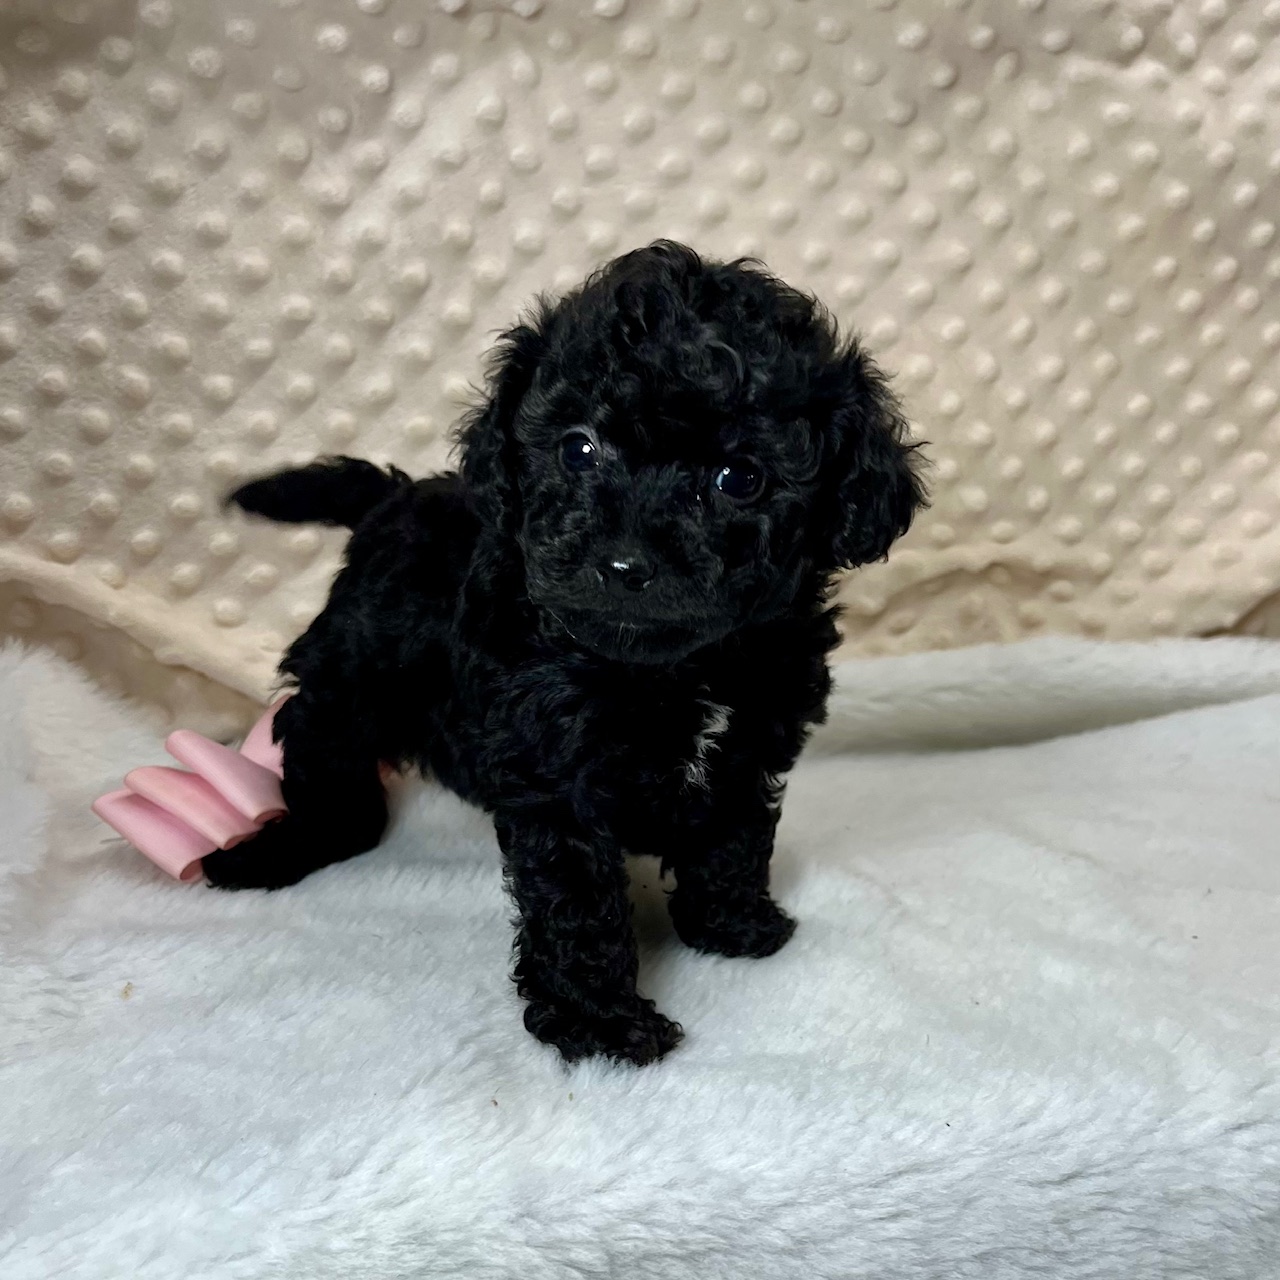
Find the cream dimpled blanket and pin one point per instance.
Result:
(237, 234)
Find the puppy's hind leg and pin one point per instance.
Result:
(337, 805)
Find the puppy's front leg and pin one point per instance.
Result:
(576, 954)
(720, 856)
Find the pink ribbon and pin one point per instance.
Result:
(176, 817)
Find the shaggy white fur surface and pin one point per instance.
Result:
(1027, 1028)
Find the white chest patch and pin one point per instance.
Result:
(715, 722)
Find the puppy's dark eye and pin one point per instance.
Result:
(579, 452)
(741, 480)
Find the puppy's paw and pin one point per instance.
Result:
(271, 859)
(638, 1034)
(756, 928)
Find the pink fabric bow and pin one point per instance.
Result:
(176, 817)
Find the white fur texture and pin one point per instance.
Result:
(1027, 1028)
(715, 721)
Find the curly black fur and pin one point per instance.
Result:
(588, 637)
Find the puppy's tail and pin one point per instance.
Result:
(336, 491)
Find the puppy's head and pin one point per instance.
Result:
(677, 446)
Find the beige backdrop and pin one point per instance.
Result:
(235, 233)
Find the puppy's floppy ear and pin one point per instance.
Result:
(488, 447)
(877, 488)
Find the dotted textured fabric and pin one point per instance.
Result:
(237, 233)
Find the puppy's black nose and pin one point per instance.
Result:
(630, 572)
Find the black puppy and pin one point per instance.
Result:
(610, 630)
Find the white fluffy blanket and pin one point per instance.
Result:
(1028, 1026)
